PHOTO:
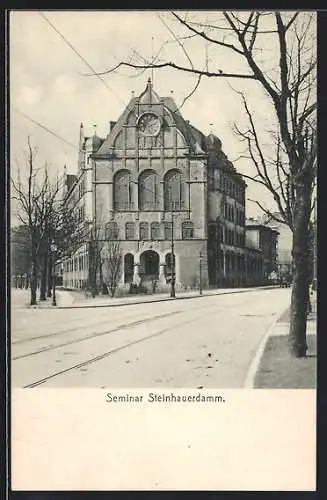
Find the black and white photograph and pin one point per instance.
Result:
(163, 215)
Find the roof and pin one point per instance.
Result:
(95, 141)
(197, 142)
(257, 225)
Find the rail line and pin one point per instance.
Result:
(96, 334)
(62, 332)
(98, 323)
(104, 355)
(100, 334)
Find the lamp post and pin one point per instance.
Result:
(53, 248)
(200, 284)
(172, 289)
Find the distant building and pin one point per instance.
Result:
(284, 248)
(265, 238)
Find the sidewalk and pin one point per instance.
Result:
(277, 369)
(72, 299)
(20, 299)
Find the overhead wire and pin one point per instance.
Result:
(76, 52)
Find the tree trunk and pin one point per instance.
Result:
(28, 279)
(44, 271)
(101, 274)
(300, 253)
(33, 281)
(49, 277)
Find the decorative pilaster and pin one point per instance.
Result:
(136, 275)
(162, 278)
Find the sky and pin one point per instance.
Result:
(51, 85)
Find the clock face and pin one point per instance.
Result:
(149, 124)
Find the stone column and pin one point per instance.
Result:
(136, 275)
(162, 278)
(135, 192)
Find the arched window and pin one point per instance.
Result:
(187, 230)
(148, 190)
(128, 268)
(155, 231)
(168, 230)
(130, 231)
(122, 190)
(144, 230)
(173, 192)
(111, 231)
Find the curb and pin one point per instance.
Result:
(250, 377)
(88, 306)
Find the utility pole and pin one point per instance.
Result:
(224, 251)
(53, 252)
(172, 289)
(200, 285)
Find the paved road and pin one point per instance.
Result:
(204, 342)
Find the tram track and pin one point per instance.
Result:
(96, 334)
(125, 346)
(63, 332)
(41, 366)
(106, 354)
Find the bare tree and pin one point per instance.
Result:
(111, 257)
(20, 256)
(35, 196)
(287, 77)
(49, 220)
(95, 246)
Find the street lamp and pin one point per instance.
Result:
(200, 283)
(53, 248)
(172, 261)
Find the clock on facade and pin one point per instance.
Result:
(149, 124)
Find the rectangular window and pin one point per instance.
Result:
(111, 231)
(155, 231)
(168, 230)
(188, 230)
(144, 231)
(130, 231)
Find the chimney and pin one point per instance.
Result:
(112, 124)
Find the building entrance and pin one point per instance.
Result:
(149, 265)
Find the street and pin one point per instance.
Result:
(203, 342)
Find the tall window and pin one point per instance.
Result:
(122, 190)
(148, 190)
(129, 231)
(155, 231)
(187, 230)
(111, 231)
(168, 230)
(128, 267)
(144, 230)
(173, 193)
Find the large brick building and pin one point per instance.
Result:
(157, 180)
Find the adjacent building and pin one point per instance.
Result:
(265, 238)
(284, 248)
